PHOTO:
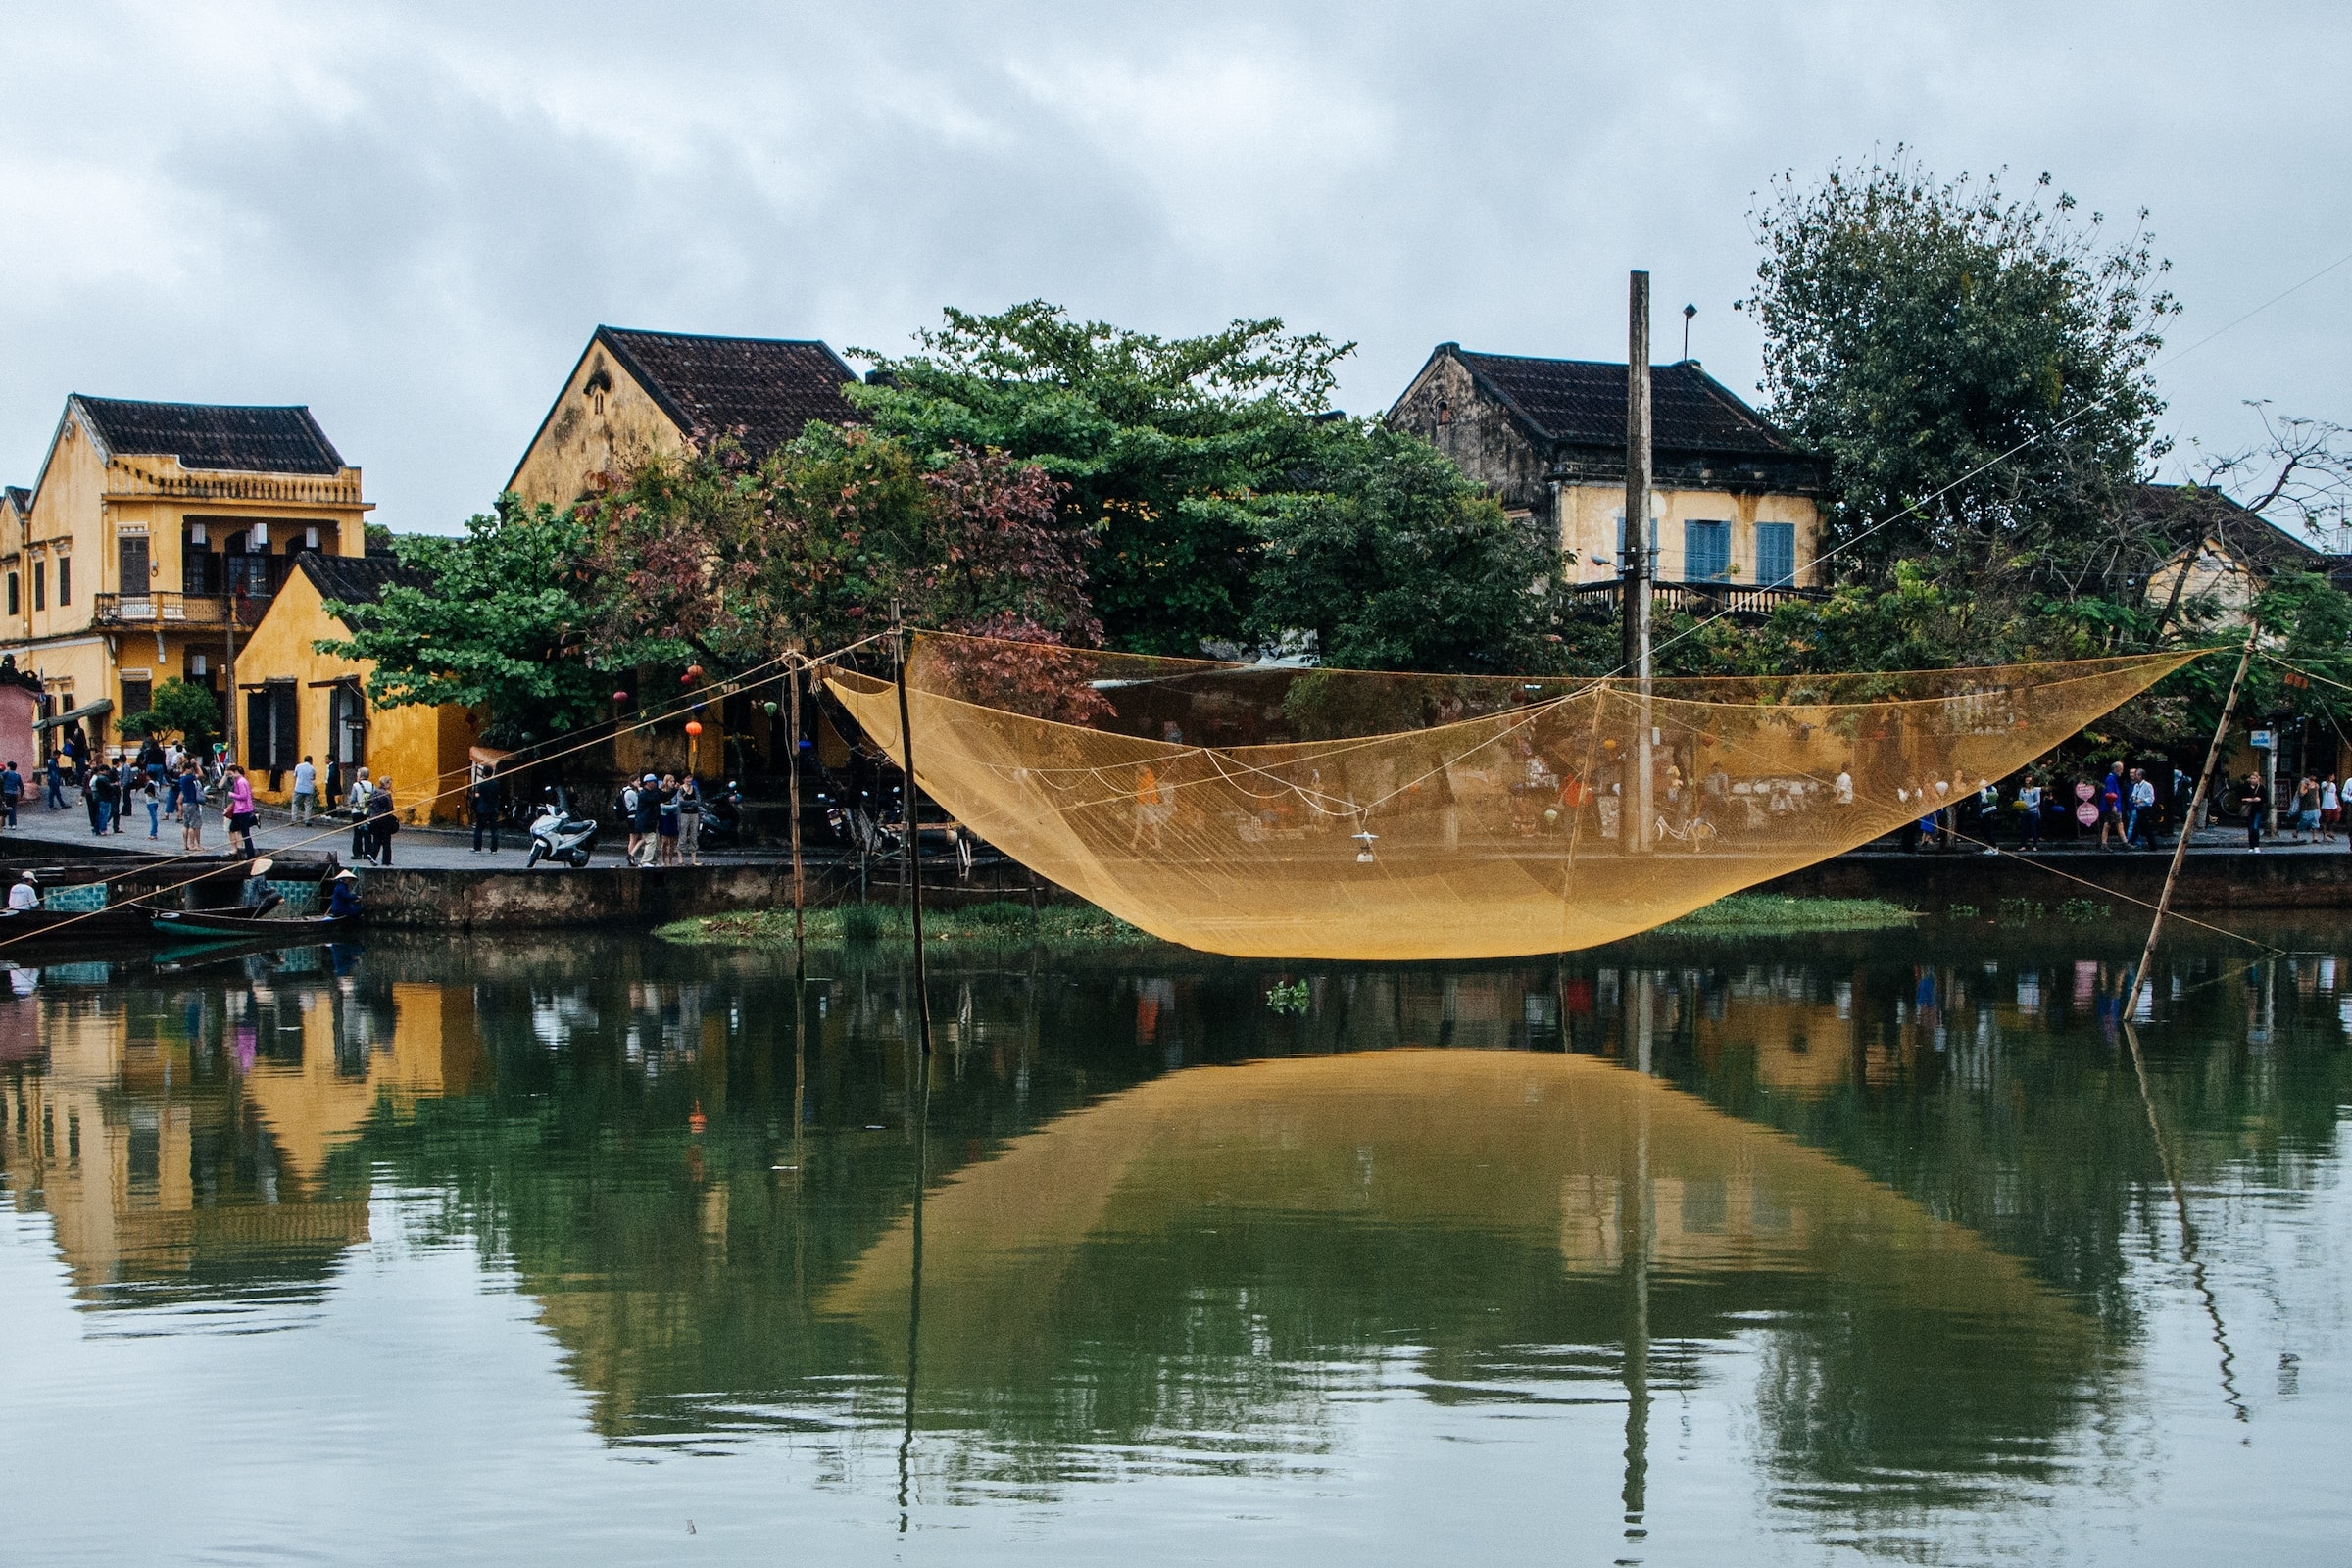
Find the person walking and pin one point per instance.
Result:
(381, 823)
(362, 791)
(2029, 802)
(11, 793)
(482, 802)
(2258, 801)
(645, 818)
(57, 785)
(2331, 809)
(126, 789)
(240, 813)
(151, 793)
(305, 792)
(2140, 809)
(2111, 807)
(2306, 811)
(188, 799)
(665, 823)
(151, 760)
(104, 794)
(690, 819)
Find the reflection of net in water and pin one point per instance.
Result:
(1278, 811)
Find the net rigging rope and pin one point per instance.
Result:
(1318, 813)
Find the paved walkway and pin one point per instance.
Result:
(431, 849)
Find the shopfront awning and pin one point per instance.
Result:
(104, 705)
(485, 756)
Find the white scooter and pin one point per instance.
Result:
(557, 835)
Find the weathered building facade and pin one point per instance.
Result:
(154, 540)
(634, 394)
(1734, 503)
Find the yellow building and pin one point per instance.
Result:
(1736, 511)
(154, 540)
(634, 394)
(297, 701)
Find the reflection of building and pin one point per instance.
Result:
(194, 1152)
(154, 539)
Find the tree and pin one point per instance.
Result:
(502, 628)
(1396, 561)
(178, 709)
(1983, 359)
(1149, 437)
(2302, 468)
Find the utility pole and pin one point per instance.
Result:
(1636, 564)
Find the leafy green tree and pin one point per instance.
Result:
(1152, 438)
(1983, 357)
(502, 628)
(178, 709)
(1396, 561)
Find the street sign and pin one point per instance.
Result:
(2263, 740)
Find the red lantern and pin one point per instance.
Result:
(694, 727)
(694, 672)
(621, 697)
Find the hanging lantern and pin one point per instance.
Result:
(1609, 746)
(694, 672)
(694, 727)
(621, 697)
(771, 709)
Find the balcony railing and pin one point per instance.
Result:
(1703, 599)
(168, 610)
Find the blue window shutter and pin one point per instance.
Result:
(1706, 552)
(1776, 555)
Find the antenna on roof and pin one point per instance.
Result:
(1689, 310)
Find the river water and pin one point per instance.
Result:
(553, 1250)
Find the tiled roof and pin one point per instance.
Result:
(763, 390)
(1581, 403)
(212, 435)
(358, 579)
(2188, 514)
(21, 497)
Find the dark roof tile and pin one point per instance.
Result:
(762, 390)
(1581, 403)
(212, 435)
(360, 579)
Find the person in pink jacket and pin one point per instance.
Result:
(240, 813)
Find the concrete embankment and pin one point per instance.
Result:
(2290, 878)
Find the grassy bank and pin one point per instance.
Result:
(1068, 928)
(1765, 914)
(1083, 928)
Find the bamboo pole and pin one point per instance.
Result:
(914, 847)
(792, 749)
(2213, 758)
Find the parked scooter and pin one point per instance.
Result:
(557, 835)
(723, 818)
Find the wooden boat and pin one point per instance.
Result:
(214, 924)
(111, 924)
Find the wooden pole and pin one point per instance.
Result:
(2213, 758)
(1636, 565)
(914, 848)
(792, 750)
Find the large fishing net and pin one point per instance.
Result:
(1280, 811)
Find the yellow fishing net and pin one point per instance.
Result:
(1278, 811)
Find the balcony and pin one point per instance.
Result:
(1702, 599)
(160, 612)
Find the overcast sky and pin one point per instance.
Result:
(412, 216)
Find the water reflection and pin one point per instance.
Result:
(1168, 1231)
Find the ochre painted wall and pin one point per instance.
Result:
(590, 432)
(1588, 528)
(422, 749)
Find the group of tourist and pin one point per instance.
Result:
(664, 815)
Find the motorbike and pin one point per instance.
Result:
(557, 835)
(722, 819)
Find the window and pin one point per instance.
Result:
(1706, 552)
(65, 581)
(40, 585)
(138, 695)
(1776, 555)
(12, 594)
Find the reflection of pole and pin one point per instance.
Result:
(915, 1278)
(1636, 565)
(791, 746)
(2213, 759)
(2189, 1233)
(914, 850)
(1634, 1227)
